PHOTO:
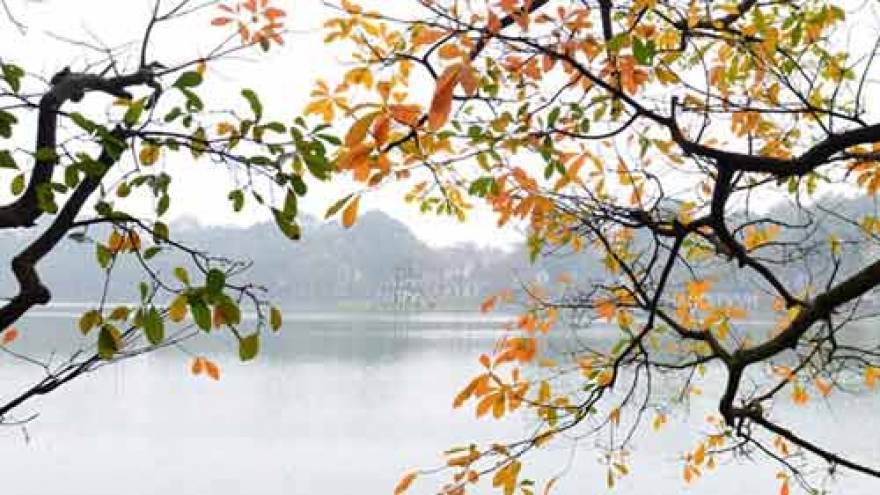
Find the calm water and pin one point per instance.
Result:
(342, 404)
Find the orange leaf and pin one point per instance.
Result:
(488, 304)
(211, 369)
(441, 103)
(198, 365)
(406, 114)
(405, 482)
(355, 157)
(349, 215)
(9, 335)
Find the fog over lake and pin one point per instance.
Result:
(339, 404)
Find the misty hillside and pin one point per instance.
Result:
(376, 263)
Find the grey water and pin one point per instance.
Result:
(340, 404)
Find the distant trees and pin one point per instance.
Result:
(82, 148)
(683, 143)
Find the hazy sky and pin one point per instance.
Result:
(283, 78)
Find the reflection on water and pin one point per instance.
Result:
(341, 404)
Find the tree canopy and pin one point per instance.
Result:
(109, 134)
(683, 143)
(686, 146)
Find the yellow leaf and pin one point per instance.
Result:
(871, 375)
(659, 421)
(358, 131)
(116, 242)
(799, 395)
(275, 319)
(835, 244)
(350, 213)
(177, 309)
(700, 454)
(149, 154)
(696, 289)
(441, 103)
(614, 416)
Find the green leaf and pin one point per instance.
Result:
(198, 142)
(83, 123)
(299, 186)
(215, 281)
(237, 198)
(108, 341)
(249, 347)
(17, 184)
(7, 160)
(200, 312)
(134, 112)
(103, 255)
(160, 232)
(254, 101)
(644, 51)
(7, 120)
(151, 252)
(89, 320)
(286, 224)
(181, 274)
(334, 209)
(13, 75)
(46, 199)
(189, 79)
(154, 327)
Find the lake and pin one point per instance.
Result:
(339, 404)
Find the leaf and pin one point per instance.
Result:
(108, 342)
(237, 198)
(335, 207)
(154, 327)
(349, 215)
(215, 281)
(198, 143)
(198, 365)
(249, 347)
(7, 160)
(871, 375)
(134, 112)
(358, 131)
(488, 304)
(149, 154)
(9, 336)
(211, 369)
(441, 103)
(181, 274)
(89, 320)
(13, 75)
(405, 483)
(177, 309)
(275, 319)
(189, 79)
(254, 102)
(200, 312)
(17, 185)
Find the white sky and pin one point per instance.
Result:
(283, 79)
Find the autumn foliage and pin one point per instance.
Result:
(653, 138)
